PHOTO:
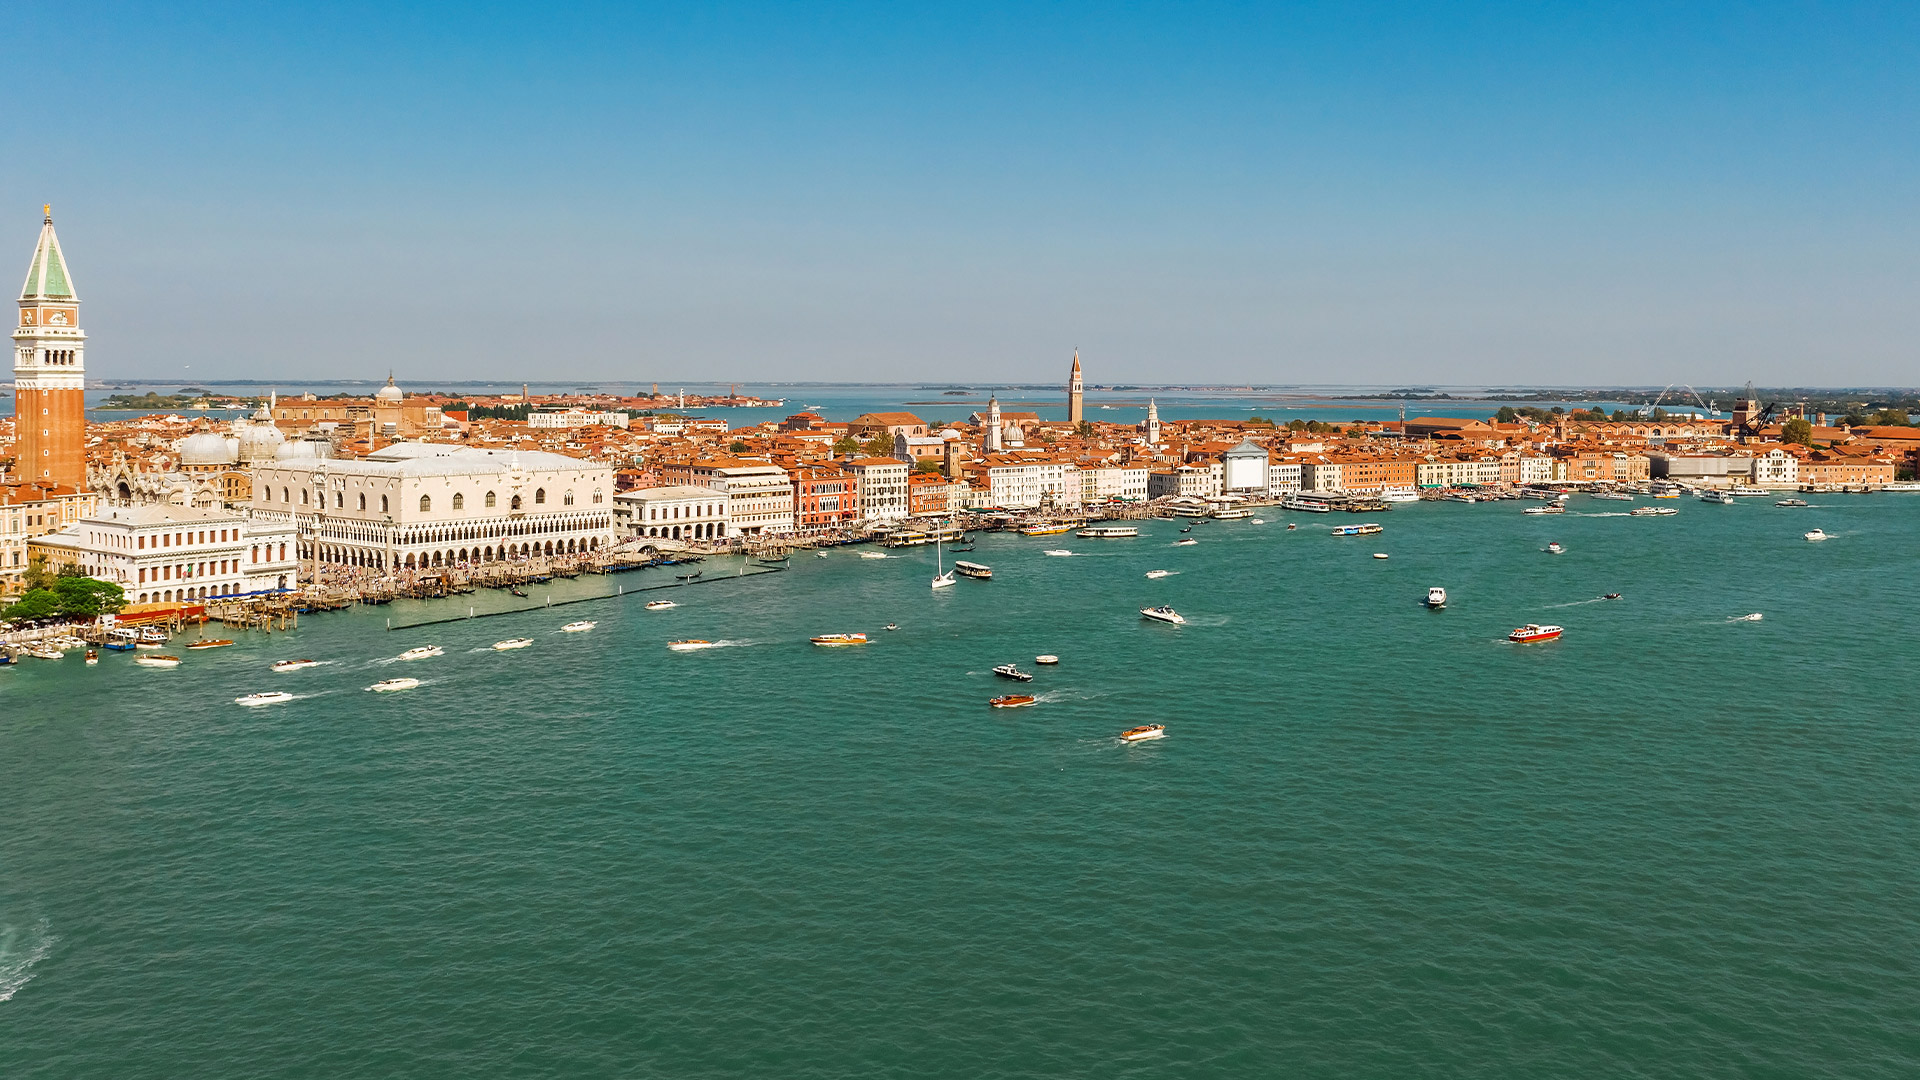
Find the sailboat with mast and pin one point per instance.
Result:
(942, 577)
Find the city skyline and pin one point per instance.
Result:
(759, 194)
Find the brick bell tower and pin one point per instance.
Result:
(49, 371)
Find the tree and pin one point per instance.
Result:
(1084, 429)
(1506, 415)
(879, 446)
(34, 605)
(85, 597)
(847, 445)
(1797, 430)
(737, 447)
(926, 466)
(37, 575)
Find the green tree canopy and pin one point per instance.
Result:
(1797, 430)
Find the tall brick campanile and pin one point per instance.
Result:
(1075, 410)
(49, 371)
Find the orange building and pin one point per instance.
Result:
(50, 372)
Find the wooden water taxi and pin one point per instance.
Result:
(835, 641)
(1012, 701)
(1144, 733)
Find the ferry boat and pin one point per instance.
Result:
(1231, 513)
(1666, 494)
(1748, 491)
(1532, 632)
(660, 605)
(1159, 573)
(1793, 502)
(1108, 532)
(1817, 534)
(1144, 733)
(1554, 508)
(1724, 498)
(1190, 511)
(512, 643)
(973, 570)
(580, 627)
(1399, 496)
(834, 641)
(1652, 511)
(1311, 506)
(210, 643)
(271, 697)
(293, 665)
(1012, 701)
(388, 686)
(1046, 530)
(1009, 671)
(1188, 542)
(1367, 529)
(1163, 613)
(1436, 597)
(1046, 658)
(155, 661)
(1615, 496)
(689, 644)
(422, 653)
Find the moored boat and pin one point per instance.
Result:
(1532, 632)
(512, 643)
(1724, 498)
(1436, 597)
(210, 643)
(421, 653)
(834, 641)
(157, 661)
(293, 665)
(1008, 671)
(388, 686)
(270, 697)
(1012, 701)
(1144, 733)
(1163, 613)
(43, 652)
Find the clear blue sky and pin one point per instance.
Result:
(1275, 192)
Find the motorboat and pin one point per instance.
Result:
(422, 653)
(271, 697)
(835, 641)
(819, 554)
(210, 643)
(1724, 498)
(1291, 526)
(974, 570)
(1380, 555)
(1551, 508)
(157, 661)
(1108, 532)
(1258, 521)
(579, 627)
(43, 652)
(1652, 511)
(891, 626)
(690, 645)
(1144, 733)
(1009, 671)
(1611, 596)
(1532, 632)
(1046, 658)
(1188, 542)
(1163, 613)
(660, 605)
(1755, 617)
(512, 643)
(1058, 553)
(68, 642)
(1159, 573)
(1554, 548)
(388, 686)
(1793, 502)
(293, 665)
(1367, 529)
(1817, 534)
(1050, 529)
(93, 657)
(1012, 701)
(1436, 597)
(873, 554)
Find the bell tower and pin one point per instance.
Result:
(1075, 411)
(50, 371)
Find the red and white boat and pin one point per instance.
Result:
(1012, 701)
(1532, 632)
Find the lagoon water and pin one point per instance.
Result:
(1378, 841)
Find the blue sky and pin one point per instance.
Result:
(1272, 193)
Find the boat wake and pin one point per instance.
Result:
(1577, 603)
(1603, 513)
(19, 951)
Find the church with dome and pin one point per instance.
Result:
(212, 470)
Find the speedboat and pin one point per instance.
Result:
(690, 645)
(1554, 548)
(1611, 596)
(1258, 521)
(512, 643)
(1816, 534)
(1380, 555)
(1012, 701)
(294, 665)
(271, 697)
(1144, 733)
(1793, 502)
(1163, 613)
(1046, 658)
(156, 661)
(891, 626)
(388, 686)
(93, 657)
(1436, 597)
(1188, 542)
(1008, 671)
(834, 641)
(421, 653)
(1755, 617)
(210, 643)
(873, 554)
(1057, 552)
(580, 627)
(1159, 573)
(660, 605)
(1533, 632)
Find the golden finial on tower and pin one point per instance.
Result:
(49, 209)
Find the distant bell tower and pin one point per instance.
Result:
(1075, 413)
(50, 371)
(992, 439)
(1153, 423)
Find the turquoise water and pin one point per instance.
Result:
(1378, 841)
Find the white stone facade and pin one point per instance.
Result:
(166, 553)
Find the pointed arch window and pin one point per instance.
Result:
(383, 504)
(459, 501)
(567, 499)
(426, 504)
(596, 496)
(516, 502)
(539, 496)
(363, 500)
(490, 500)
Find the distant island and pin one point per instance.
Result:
(186, 398)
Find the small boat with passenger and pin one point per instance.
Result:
(1012, 701)
(270, 697)
(1436, 597)
(1817, 535)
(1164, 614)
(293, 665)
(512, 643)
(1144, 733)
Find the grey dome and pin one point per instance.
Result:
(208, 448)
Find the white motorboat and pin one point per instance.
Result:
(388, 686)
(421, 653)
(1755, 617)
(46, 652)
(691, 645)
(157, 661)
(873, 554)
(1817, 534)
(1436, 597)
(1163, 613)
(1554, 548)
(294, 665)
(1159, 573)
(271, 697)
(1380, 555)
(1258, 521)
(511, 644)
(1046, 658)
(580, 627)
(1188, 542)
(1058, 553)
(1009, 671)
(1144, 733)
(662, 605)
(1108, 532)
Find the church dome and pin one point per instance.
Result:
(303, 450)
(208, 448)
(388, 392)
(260, 441)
